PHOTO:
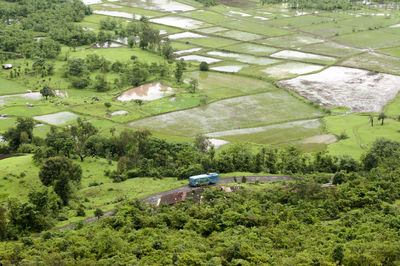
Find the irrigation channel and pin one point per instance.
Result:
(153, 199)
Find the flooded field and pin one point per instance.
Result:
(263, 61)
(251, 48)
(359, 90)
(310, 124)
(235, 113)
(28, 96)
(146, 92)
(160, 5)
(57, 118)
(117, 14)
(187, 51)
(294, 55)
(212, 30)
(232, 68)
(199, 58)
(291, 68)
(179, 22)
(184, 35)
(240, 35)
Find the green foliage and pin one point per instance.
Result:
(47, 92)
(61, 174)
(204, 66)
(22, 133)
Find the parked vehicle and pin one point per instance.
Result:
(206, 179)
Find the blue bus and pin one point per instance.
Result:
(206, 179)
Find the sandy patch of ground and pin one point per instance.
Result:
(146, 92)
(359, 90)
(199, 58)
(57, 118)
(321, 139)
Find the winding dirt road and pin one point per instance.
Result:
(155, 197)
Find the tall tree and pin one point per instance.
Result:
(81, 132)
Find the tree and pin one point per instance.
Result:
(47, 92)
(22, 133)
(179, 71)
(107, 105)
(81, 132)
(193, 85)
(382, 117)
(202, 143)
(61, 174)
(203, 66)
(371, 120)
(98, 213)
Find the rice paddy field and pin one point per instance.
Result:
(276, 76)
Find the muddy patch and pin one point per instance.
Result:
(321, 139)
(359, 90)
(146, 92)
(57, 118)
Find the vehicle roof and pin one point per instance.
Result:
(202, 176)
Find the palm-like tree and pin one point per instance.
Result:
(382, 117)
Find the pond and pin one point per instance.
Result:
(146, 92)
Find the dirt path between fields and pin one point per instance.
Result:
(155, 197)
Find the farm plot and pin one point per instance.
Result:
(146, 92)
(301, 21)
(180, 22)
(250, 48)
(33, 96)
(160, 5)
(240, 35)
(10, 87)
(295, 55)
(359, 90)
(374, 62)
(272, 134)
(57, 118)
(289, 69)
(220, 85)
(213, 42)
(249, 59)
(241, 112)
(291, 41)
(371, 39)
(210, 17)
(330, 49)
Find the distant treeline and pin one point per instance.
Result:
(325, 4)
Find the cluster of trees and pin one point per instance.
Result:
(132, 73)
(208, 3)
(355, 223)
(313, 4)
(19, 20)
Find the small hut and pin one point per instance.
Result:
(7, 66)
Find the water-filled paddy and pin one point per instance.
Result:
(184, 35)
(250, 59)
(160, 5)
(179, 22)
(228, 68)
(28, 96)
(57, 118)
(359, 90)
(294, 55)
(147, 92)
(199, 58)
(235, 113)
(291, 68)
